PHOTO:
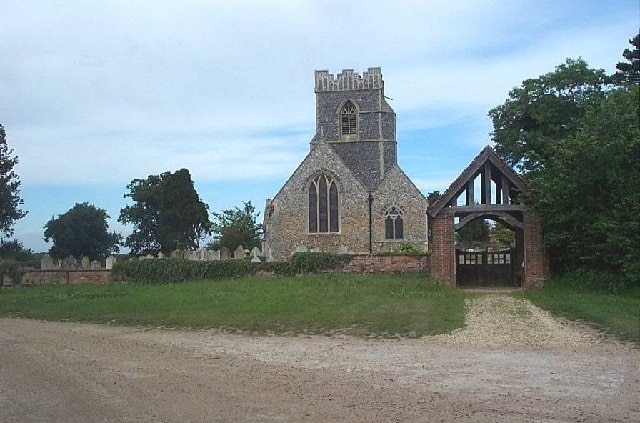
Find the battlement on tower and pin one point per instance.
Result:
(349, 80)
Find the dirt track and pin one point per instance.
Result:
(532, 369)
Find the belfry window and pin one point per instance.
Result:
(348, 123)
(323, 205)
(393, 224)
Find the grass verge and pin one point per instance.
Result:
(380, 305)
(617, 314)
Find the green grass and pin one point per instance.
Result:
(383, 306)
(618, 314)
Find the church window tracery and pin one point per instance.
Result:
(393, 224)
(323, 205)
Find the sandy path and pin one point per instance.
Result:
(533, 368)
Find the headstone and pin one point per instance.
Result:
(239, 252)
(160, 255)
(270, 256)
(149, 257)
(215, 255)
(111, 260)
(86, 263)
(69, 263)
(224, 253)
(177, 254)
(96, 265)
(46, 262)
(255, 252)
(300, 249)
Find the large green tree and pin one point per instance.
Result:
(237, 227)
(167, 214)
(10, 200)
(543, 111)
(81, 231)
(575, 135)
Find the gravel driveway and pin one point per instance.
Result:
(512, 363)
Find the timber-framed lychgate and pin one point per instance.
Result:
(487, 189)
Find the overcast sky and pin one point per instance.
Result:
(95, 93)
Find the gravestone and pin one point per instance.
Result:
(301, 249)
(111, 260)
(224, 253)
(46, 262)
(69, 263)
(255, 252)
(86, 263)
(96, 265)
(160, 255)
(343, 249)
(177, 254)
(270, 258)
(215, 255)
(239, 252)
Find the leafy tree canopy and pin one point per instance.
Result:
(14, 250)
(543, 111)
(10, 200)
(167, 214)
(237, 227)
(473, 234)
(81, 231)
(576, 137)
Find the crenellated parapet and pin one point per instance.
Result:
(349, 80)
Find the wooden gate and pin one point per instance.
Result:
(485, 268)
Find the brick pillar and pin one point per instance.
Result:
(443, 248)
(533, 252)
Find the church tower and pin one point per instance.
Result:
(353, 116)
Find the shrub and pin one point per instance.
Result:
(594, 280)
(317, 262)
(181, 270)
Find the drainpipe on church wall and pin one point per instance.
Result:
(370, 223)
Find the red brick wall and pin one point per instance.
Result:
(533, 252)
(443, 245)
(395, 264)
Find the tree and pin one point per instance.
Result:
(473, 234)
(10, 200)
(589, 190)
(577, 139)
(14, 250)
(235, 227)
(167, 214)
(628, 73)
(81, 231)
(543, 111)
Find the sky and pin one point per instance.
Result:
(94, 94)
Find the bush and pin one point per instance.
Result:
(181, 270)
(317, 262)
(594, 280)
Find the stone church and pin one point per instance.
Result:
(348, 195)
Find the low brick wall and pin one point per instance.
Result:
(393, 264)
(45, 277)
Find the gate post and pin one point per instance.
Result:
(443, 244)
(533, 252)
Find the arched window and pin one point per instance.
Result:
(348, 123)
(393, 225)
(323, 205)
